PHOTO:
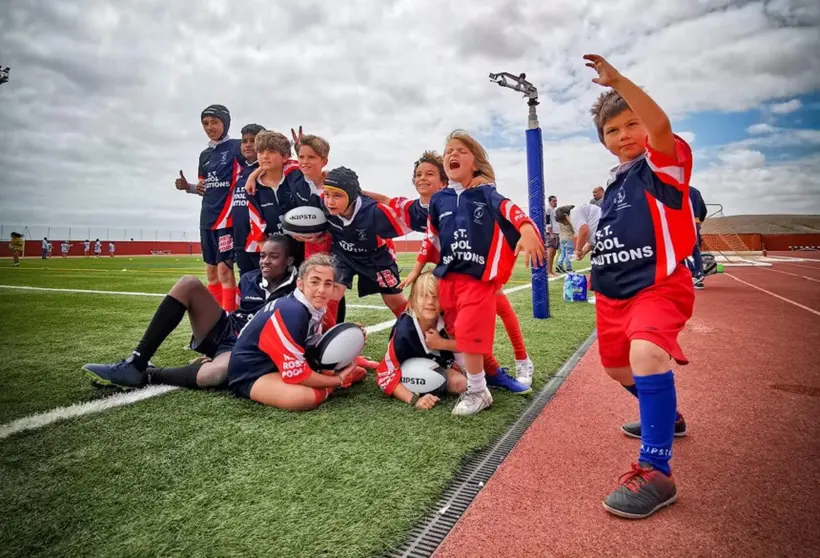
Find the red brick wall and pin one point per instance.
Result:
(775, 242)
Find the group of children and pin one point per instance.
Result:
(17, 244)
(290, 288)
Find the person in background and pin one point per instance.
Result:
(597, 196)
(17, 246)
(553, 231)
(64, 248)
(87, 248)
(565, 245)
(46, 244)
(111, 249)
(97, 248)
(700, 211)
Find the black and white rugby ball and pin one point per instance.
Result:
(304, 220)
(339, 346)
(422, 375)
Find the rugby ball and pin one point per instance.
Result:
(422, 375)
(339, 346)
(304, 220)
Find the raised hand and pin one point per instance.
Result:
(607, 74)
(181, 183)
(532, 246)
(297, 138)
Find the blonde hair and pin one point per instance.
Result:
(272, 141)
(317, 144)
(316, 260)
(482, 161)
(425, 284)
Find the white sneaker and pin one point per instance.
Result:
(523, 371)
(472, 402)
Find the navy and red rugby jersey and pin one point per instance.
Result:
(364, 238)
(412, 212)
(219, 166)
(406, 342)
(647, 227)
(472, 231)
(275, 340)
(254, 293)
(268, 206)
(239, 208)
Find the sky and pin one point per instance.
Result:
(103, 104)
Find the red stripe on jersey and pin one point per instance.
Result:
(430, 249)
(401, 206)
(516, 216)
(399, 225)
(388, 374)
(675, 171)
(493, 255)
(289, 357)
(662, 249)
(224, 220)
(257, 232)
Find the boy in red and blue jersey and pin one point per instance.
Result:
(361, 228)
(245, 260)
(219, 167)
(474, 234)
(644, 293)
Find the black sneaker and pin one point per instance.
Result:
(643, 491)
(633, 429)
(122, 374)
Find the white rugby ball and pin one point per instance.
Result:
(304, 220)
(340, 346)
(422, 375)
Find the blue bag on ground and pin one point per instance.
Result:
(575, 287)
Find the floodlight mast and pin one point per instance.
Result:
(535, 172)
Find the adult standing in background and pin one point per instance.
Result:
(699, 210)
(553, 232)
(597, 196)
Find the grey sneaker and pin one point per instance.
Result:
(643, 491)
(472, 402)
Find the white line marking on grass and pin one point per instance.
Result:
(40, 420)
(783, 298)
(82, 291)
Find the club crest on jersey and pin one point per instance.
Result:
(224, 157)
(620, 199)
(361, 234)
(478, 212)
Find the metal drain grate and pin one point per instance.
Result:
(425, 537)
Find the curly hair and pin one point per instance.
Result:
(434, 159)
(609, 105)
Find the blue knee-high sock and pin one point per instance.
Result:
(633, 389)
(657, 401)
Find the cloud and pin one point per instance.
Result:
(103, 108)
(760, 128)
(786, 108)
(743, 159)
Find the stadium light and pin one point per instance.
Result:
(4, 74)
(535, 174)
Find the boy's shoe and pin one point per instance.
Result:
(471, 402)
(122, 374)
(633, 429)
(698, 284)
(523, 371)
(643, 491)
(560, 269)
(503, 380)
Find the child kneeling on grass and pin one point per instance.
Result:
(644, 293)
(420, 333)
(268, 363)
(480, 229)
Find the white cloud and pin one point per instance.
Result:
(760, 128)
(785, 108)
(743, 158)
(688, 137)
(103, 108)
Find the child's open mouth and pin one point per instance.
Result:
(454, 165)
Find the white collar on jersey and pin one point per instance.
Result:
(439, 327)
(316, 316)
(356, 208)
(215, 143)
(263, 284)
(623, 167)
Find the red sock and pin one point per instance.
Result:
(505, 311)
(216, 291)
(320, 394)
(491, 365)
(229, 299)
(331, 315)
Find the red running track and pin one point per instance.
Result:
(748, 474)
